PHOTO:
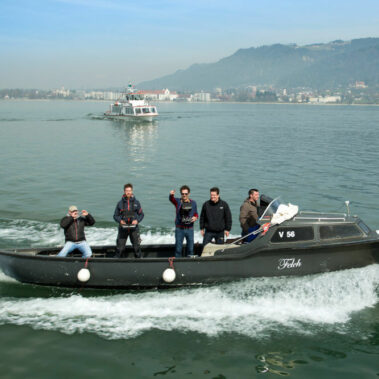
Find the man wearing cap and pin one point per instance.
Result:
(73, 224)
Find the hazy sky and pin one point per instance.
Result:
(104, 43)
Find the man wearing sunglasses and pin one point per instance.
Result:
(186, 215)
(73, 224)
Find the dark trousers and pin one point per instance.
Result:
(218, 236)
(133, 234)
(252, 236)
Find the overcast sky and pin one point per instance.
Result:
(107, 43)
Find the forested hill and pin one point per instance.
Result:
(330, 65)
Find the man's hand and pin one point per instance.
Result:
(84, 213)
(172, 192)
(226, 233)
(74, 214)
(202, 231)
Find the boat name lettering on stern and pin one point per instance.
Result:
(289, 263)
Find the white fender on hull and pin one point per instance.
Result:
(84, 275)
(169, 275)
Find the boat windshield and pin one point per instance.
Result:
(271, 209)
(131, 96)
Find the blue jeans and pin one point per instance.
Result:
(82, 246)
(180, 234)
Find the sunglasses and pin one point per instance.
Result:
(185, 193)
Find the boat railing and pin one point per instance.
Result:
(321, 218)
(331, 216)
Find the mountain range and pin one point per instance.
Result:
(319, 66)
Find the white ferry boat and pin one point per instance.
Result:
(132, 105)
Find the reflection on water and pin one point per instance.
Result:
(274, 363)
(138, 137)
(282, 362)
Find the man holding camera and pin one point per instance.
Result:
(186, 215)
(128, 214)
(73, 224)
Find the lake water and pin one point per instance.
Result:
(57, 153)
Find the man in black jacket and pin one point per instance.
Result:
(73, 224)
(128, 214)
(215, 218)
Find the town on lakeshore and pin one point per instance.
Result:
(356, 93)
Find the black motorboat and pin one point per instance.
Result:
(299, 244)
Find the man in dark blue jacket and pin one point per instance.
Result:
(128, 214)
(186, 215)
(215, 218)
(73, 224)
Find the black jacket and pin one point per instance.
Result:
(74, 229)
(124, 206)
(216, 217)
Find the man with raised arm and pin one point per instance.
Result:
(186, 215)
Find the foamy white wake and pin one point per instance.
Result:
(37, 233)
(30, 232)
(253, 307)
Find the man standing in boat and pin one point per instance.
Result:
(249, 214)
(128, 214)
(215, 218)
(73, 224)
(186, 215)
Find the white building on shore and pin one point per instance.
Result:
(325, 99)
(160, 95)
(61, 92)
(201, 96)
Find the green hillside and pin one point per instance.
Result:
(338, 63)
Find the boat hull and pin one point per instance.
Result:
(130, 117)
(106, 272)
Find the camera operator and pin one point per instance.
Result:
(128, 214)
(186, 215)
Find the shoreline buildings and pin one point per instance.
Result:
(357, 93)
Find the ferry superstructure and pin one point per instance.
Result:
(132, 105)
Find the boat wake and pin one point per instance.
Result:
(255, 308)
(93, 116)
(29, 233)
(5, 119)
(60, 119)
